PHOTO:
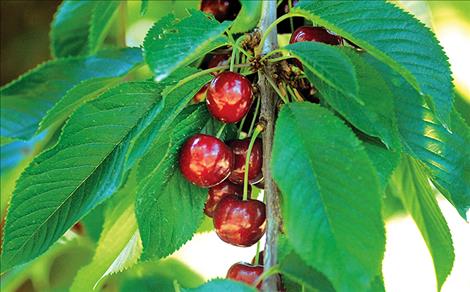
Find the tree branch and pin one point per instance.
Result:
(268, 107)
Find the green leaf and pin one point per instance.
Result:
(332, 217)
(169, 208)
(26, 100)
(375, 114)
(292, 267)
(83, 169)
(119, 245)
(222, 285)
(411, 185)
(79, 27)
(73, 98)
(446, 155)
(248, 17)
(328, 64)
(395, 38)
(172, 43)
(101, 19)
(384, 160)
(174, 102)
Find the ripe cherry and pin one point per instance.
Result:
(246, 273)
(205, 160)
(201, 94)
(229, 97)
(240, 148)
(314, 34)
(218, 60)
(221, 9)
(78, 228)
(239, 222)
(216, 193)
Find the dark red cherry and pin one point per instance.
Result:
(260, 258)
(246, 273)
(78, 228)
(238, 222)
(216, 193)
(201, 94)
(314, 34)
(205, 160)
(240, 148)
(229, 97)
(221, 9)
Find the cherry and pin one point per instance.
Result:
(78, 228)
(201, 94)
(229, 97)
(221, 9)
(239, 222)
(314, 34)
(218, 60)
(246, 273)
(240, 148)
(216, 193)
(205, 160)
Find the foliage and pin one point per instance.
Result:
(83, 136)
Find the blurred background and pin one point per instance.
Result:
(407, 265)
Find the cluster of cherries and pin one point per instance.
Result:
(208, 162)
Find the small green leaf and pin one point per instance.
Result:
(395, 38)
(169, 208)
(26, 100)
(222, 285)
(248, 17)
(332, 217)
(411, 185)
(446, 155)
(83, 169)
(172, 43)
(328, 64)
(119, 245)
(375, 114)
(79, 27)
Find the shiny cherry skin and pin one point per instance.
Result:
(216, 193)
(240, 148)
(205, 160)
(221, 9)
(314, 34)
(229, 97)
(201, 94)
(246, 273)
(239, 222)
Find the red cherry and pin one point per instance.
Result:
(205, 160)
(216, 193)
(314, 34)
(221, 9)
(239, 148)
(78, 228)
(201, 94)
(245, 273)
(218, 60)
(239, 222)
(229, 97)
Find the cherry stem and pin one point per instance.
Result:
(271, 27)
(221, 130)
(294, 94)
(257, 253)
(272, 271)
(274, 86)
(291, 20)
(239, 133)
(280, 58)
(257, 131)
(258, 102)
(201, 73)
